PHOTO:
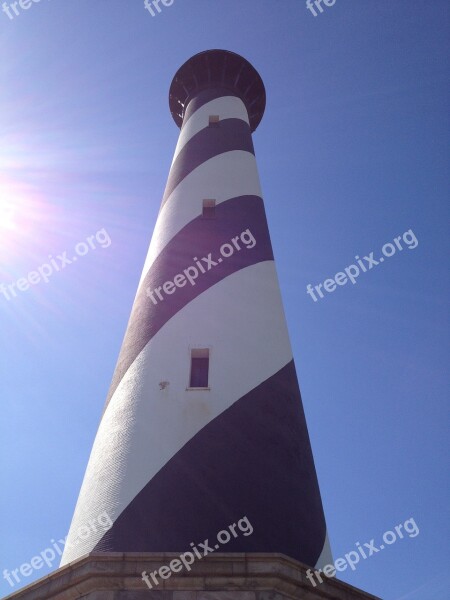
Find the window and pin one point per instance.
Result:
(214, 120)
(209, 209)
(199, 368)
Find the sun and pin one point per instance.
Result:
(7, 213)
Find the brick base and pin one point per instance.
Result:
(219, 576)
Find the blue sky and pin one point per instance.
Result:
(351, 152)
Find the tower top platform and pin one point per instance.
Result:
(218, 69)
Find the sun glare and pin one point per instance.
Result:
(6, 213)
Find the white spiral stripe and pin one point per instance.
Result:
(144, 427)
(228, 175)
(325, 558)
(227, 107)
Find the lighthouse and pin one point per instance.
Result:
(204, 424)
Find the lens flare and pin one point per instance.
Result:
(7, 213)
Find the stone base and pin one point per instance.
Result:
(219, 576)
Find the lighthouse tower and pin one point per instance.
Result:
(203, 424)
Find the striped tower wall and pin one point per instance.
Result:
(172, 465)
